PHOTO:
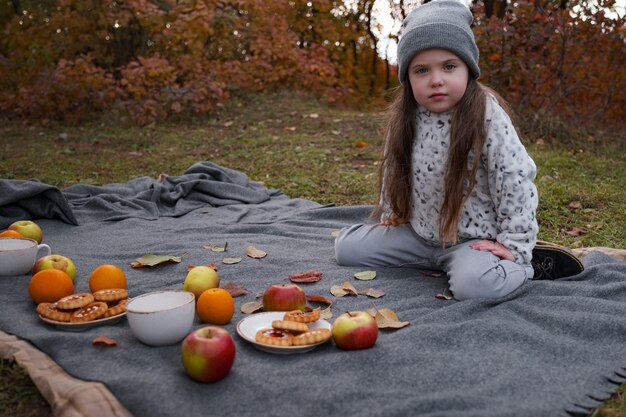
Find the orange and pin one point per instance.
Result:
(50, 285)
(105, 277)
(11, 233)
(215, 306)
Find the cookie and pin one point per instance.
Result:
(111, 294)
(90, 312)
(290, 326)
(115, 308)
(74, 301)
(274, 337)
(302, 316)
(50, 311)
(311, 337)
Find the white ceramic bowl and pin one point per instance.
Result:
(162, 317)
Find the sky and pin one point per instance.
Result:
(387, 47)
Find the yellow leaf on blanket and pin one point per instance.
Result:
(153, 260)
(387, 318)
(251, 307)
(255, 253)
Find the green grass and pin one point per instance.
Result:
(308, 150)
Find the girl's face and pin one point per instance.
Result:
(438, 79)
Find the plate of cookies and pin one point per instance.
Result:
(82, 311)
(285, 332)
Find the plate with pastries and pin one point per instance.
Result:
(285, 332)
(82, 311)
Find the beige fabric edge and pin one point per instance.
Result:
(68, 396)
(619, 254)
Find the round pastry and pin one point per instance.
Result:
(274, 337)
(74, 301)
(115, 308)
(290, 326)
(312, 336)
(302, 316)
(90, 312)
(111, 294)
(50, 311)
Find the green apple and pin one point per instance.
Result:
(53, 261)
(28, 229)
(200, 279)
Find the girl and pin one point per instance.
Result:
(456, 183)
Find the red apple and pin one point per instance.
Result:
(55, 262)
(208, 353)
(28, 229)
(284, 297)
(355, 330)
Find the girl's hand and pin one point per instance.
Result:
(496, 248)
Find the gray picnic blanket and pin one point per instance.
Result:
(548, 349)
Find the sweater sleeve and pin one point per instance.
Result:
(511, 175)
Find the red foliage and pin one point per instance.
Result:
(158, 59)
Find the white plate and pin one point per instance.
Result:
(79, 327)
(249, 326)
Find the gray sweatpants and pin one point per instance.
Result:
(471, 273)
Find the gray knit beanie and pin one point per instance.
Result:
(443, 24)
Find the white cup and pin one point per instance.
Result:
(18, 255)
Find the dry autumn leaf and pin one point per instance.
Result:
(387, 318)
(213, 247)
(255, 253)
(576, 231)
(375, 292)
(306, 277)
(365, 275)
(575, 205)
(326, 313)
(235, 289)
(153, 260)
(104, 341)
(251, 307)
(230, 261)
(344, 289)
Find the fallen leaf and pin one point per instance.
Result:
(255, 253)
(326, 314)
(230, 261)
(211, 265)
(575, 205)
(338, 291)
(444, 295)
(387, 319)
(360, 144)
(314, 115)
(430, 273)
(344, 289)
(316, 298)
(335, 233)
(306, 277)
(215, 248)
(251, 307)
(104, 341)
(235, 289)
(153, 260)
(576, 231)
(375, 292)
(365, 275)
(359, 163)
(228, 124)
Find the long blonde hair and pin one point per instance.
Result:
(467, 135)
